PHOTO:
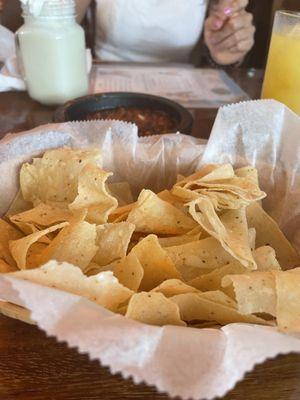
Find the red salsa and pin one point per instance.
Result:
(149, 121)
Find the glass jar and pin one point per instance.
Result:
(51, 49)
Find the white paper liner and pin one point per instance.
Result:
(184, 362)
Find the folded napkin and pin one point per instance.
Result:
(10, 75)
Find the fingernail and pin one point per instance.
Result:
(217, 24)
(227, 11)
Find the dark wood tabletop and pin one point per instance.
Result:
(18, 112)
(34, 367)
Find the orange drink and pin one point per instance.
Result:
(282, 77)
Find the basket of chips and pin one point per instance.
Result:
(151, 254)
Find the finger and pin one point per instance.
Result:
(226, 8)
(219, 7)
(213, 24)
(237, 37)
(243, 47)
(233, 25)
(219, 12)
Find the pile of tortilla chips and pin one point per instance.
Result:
(201, 254)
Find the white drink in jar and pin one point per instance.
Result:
(52, 52)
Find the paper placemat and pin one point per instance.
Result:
(191, 87)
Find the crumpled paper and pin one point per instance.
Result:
(184, 362)
(34, 6)
(10, 75)
(7, 44)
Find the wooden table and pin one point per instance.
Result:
(18, 112)
(34, 367)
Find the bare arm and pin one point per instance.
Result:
(81, 7)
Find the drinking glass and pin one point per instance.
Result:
(282, 76)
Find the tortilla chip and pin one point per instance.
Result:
(252, 239)
(103, 289)
(223, 200)
(122, 310)
(121, 191)
(19, 248)
(7, 233)
(249, 173)
(28, 229)
(179, 240)
(153, 309)
(205, 325)
(194, 307)
(230, 229)
(120, 213)
(180, 177)
(268, 233)
(156, 263)
(75, 244)
(93, 196)
(219, 297)
(112, 241)
(128, 270)
(222, 171)
(185, 195)
(288, 300)
(116, 219)
(172, 287)
(33, 255)
(195, 258)
(138, 236)
(222, 186)
(43, 215)
(54, 177)
(175, 201)
(93, 269)
(213, 280)
(254, 292)
(220, 198)
(4, 267)
(18, 205)
(265, 258)
(153, 215)
(242, 187)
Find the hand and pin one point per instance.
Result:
(2, 4)
(228, 31)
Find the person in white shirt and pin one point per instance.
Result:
(168, 30)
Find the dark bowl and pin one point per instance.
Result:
(78, 109)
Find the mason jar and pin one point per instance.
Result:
(51, 50)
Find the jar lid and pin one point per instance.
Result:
(48, 8)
